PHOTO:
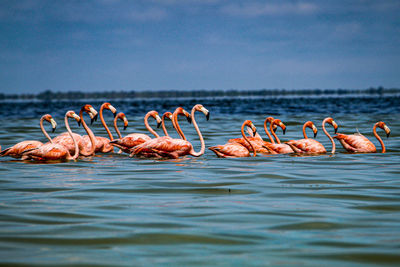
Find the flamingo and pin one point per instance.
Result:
(103, 143)
(235, 149)
(258, 143)
(277, 148)
(134, 139)
(167, 147)
(359, 143)
(308, 145)
(17, 150)
(85, 149)
(266, 121)
(55, 151)
(122, 117)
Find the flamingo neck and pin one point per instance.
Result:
(163, 126)
(116, 127)
(379, 138)
(146, 123)
(271, 127)
(203, 145)
(329, 136)
(176, 125)
(43, 130)
(248, 141)
(267, 132)
(304, 130)
(90, 134)
(76, 154)
(104, 123)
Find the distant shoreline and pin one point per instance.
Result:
(49, 95)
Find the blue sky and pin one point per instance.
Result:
(198, 44)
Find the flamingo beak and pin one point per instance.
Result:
(284, 130)
(54, 125)
(125, 126)
(387, 130)
(208, 116)
(79, 123)
(113, 110)
(335, 126)
(189, 118)
(159, 124)
(315, 134)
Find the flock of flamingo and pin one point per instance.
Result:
(70, 146)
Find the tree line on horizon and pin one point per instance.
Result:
(73, 95)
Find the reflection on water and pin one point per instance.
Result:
(270, 210)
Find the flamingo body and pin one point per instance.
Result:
(47, 152)
(306, 145)
(356, 143)
(231, 150)
(16, 150)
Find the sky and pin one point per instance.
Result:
(115, 45)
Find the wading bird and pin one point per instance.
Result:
(312, 146)
(54, 151)
(16, 150)
(234, 149)
(359, 143)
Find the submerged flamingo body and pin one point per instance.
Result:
(306, 146)
(47, 152)
(359, 143)
(356, 143)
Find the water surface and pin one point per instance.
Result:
(280, 210)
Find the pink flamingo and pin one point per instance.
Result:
(17, 150)
(85, 149)
(103, 143)
(134, 139)
(235, 149)
(358, 143)
(256, 140)
(120, 116)
(167, 147)
(55, 151)
(308, 145)
(277, 148)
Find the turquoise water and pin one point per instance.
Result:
(280, 210)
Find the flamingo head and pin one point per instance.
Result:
(200, 107)
(157, 117)
(383, 126)
(280, 124)
(250, 124)
(180, 110)
(122, 117)
(91, 111)
(72, 114)
(311, 125)
(50, 119)
(331, 122)
(167, 115)
(110, 107)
